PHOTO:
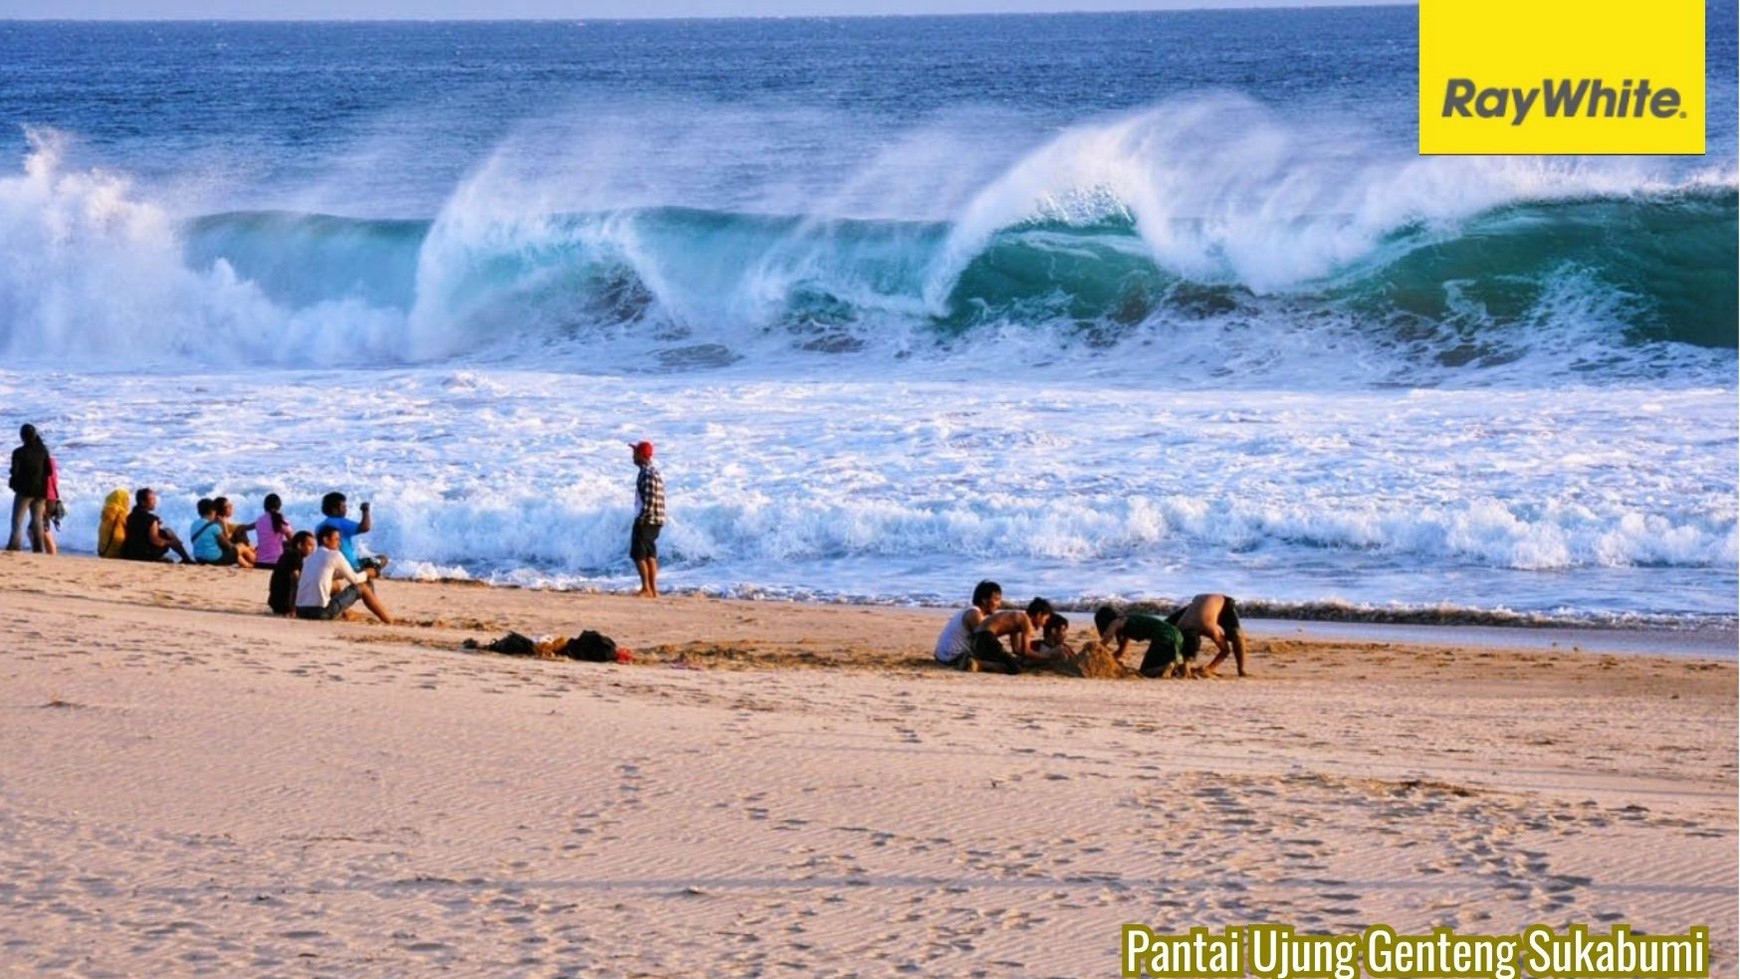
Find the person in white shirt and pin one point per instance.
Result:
(315, 598)
(955, 646)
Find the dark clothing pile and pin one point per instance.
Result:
(590, 646)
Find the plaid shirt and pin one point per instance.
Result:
(649, 496)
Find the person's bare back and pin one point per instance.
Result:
(1201, 614)
(1214, 616)
(1019, 627)
(1013, 625)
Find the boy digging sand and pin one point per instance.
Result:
(1019, 627)
(1217, 617)
(1165, 656)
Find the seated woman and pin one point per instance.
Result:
(205, 536)
(235, 534)
(272, 533)
(210, 540)
(112, 525)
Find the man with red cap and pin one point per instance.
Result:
(649, 516)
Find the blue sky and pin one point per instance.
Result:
(575, 9)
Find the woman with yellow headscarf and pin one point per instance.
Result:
(112, 527)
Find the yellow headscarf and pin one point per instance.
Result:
(112, 527)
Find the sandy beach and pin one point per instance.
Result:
(191, 787)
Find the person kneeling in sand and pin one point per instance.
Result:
(315, 598)
(1165, 656)
(1217, 617)
(1019, 627)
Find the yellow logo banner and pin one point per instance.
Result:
(1557, 76)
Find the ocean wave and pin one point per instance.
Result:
(748, 529)
(1087, 245)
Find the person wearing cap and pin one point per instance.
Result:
(649, 516)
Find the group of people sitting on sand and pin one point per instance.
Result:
(974, 638)
(315, 575)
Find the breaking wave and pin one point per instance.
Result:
(1117, 234)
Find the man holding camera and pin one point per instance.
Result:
(335, 509)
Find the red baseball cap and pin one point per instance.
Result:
(642, 448)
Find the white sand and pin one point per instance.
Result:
(190, 787)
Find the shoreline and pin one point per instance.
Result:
(1359, 626)
(1692, 642)
(1715, 632)
(1681, 642)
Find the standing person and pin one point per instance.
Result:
(336, 510)
(315, 598)
(29, 484)
(52, 509)
(271, 533)
(649, 516)
(1217, 617)
(146, 538)
(954, 647)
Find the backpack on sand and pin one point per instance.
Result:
(592, 647)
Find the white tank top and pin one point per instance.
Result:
(956, 639)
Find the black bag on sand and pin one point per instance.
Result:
(512, 644)
(591, 647)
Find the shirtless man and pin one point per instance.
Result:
(1217, 617)
(1019, 627)
(955, 646)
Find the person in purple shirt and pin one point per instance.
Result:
(336, 511)
(273, 533)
